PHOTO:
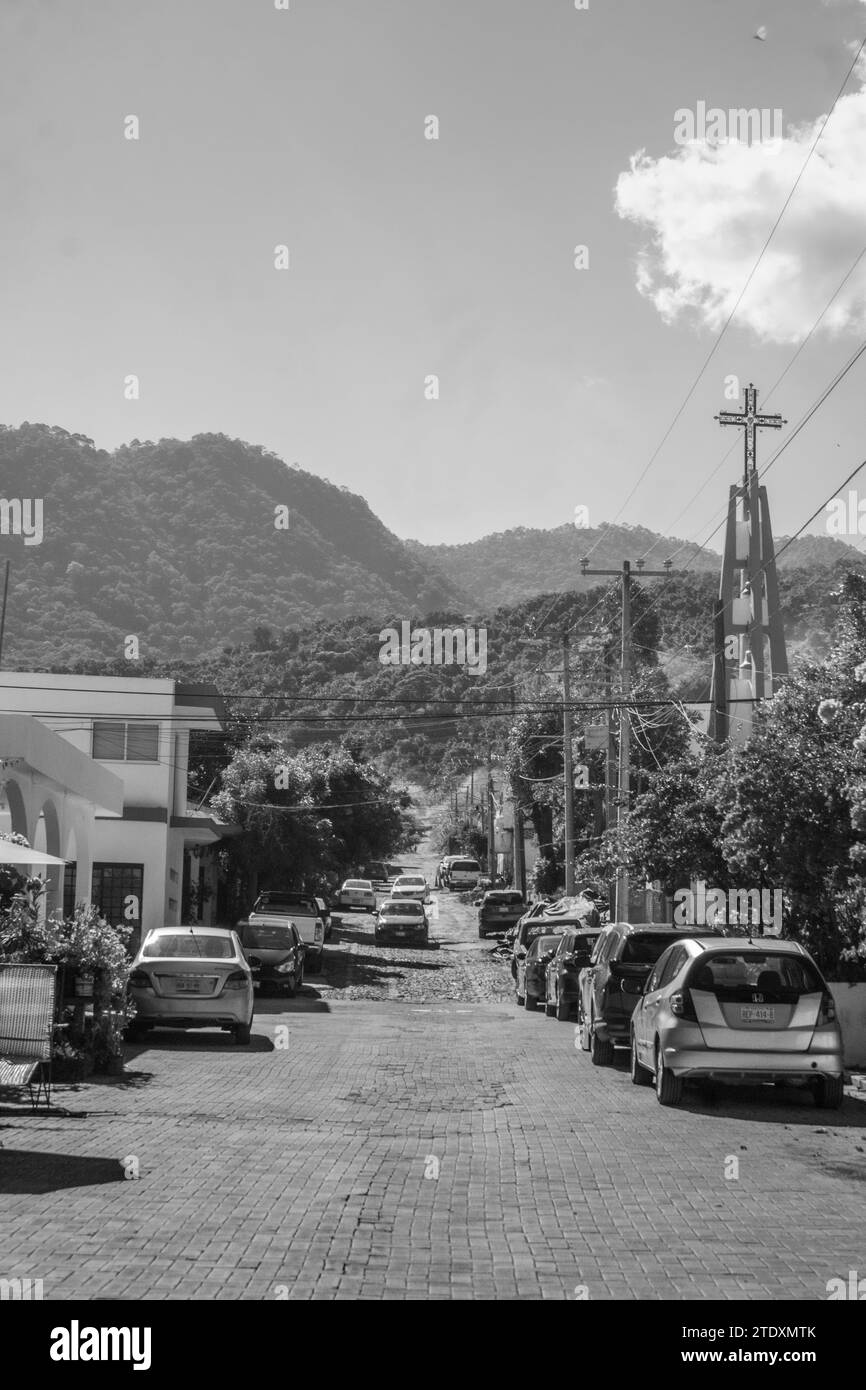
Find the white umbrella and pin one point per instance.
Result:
(10, 853)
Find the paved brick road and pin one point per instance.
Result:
(307, 1169)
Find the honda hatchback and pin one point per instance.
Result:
(736, 1011)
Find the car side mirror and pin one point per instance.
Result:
(631, 986)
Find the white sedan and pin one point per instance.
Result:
(357, 892)
(411, 886)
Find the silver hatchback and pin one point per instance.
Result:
(736, 1010)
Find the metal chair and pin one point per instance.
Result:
(27, 1006)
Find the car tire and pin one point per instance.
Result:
(521, 1000)
(600, 1050)
(639, 1074)
(292, 989)
(585, 1039)
(315, 962)
(669, 1088)
(481, 934)
(530, 1003)
(830, 1092)
(241, 1034)
(137, 1032)
(563, 1010)
(549, 1008)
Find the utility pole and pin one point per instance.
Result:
(623, 778)
(518, 871)
(3, 613)
(568, 766)
(491, 857)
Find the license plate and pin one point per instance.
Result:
(758, 1015)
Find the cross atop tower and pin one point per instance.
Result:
(749, 420)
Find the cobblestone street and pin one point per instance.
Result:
(402, 1130)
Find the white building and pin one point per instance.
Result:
(94, 769)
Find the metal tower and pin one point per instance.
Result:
(747, 615)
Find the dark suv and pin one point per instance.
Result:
(624, 950)
(499, 909)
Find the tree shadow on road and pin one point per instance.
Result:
(351, 971)
(208, 1040)
(764, 1104)
(29, 1171)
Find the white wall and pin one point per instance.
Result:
(851, 1008)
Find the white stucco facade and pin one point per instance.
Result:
(94, 769)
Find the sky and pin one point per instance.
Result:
(411, 258)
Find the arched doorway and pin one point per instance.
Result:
(46, 838)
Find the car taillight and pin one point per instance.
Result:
(319, 933)
(140, 980)
(236, 980)
(828, 1008)
(682, 1005)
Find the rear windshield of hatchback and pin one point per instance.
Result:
(466, 866)
(738, 975)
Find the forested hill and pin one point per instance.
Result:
(175, 542)
(511, 566)
(324, 680)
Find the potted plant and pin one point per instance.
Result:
(108, 1034)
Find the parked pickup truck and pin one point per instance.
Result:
(278, 907)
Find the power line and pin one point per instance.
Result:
(739, 299)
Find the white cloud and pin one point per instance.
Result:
(709, 210)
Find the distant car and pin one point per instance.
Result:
(738, 1011)
(531, 982)
(549, 917)
(286, 907)
(275, 953)
(463, 874)
(191, 977)
(357, 892)
(499, 909)
(402, 920)
(377, 872)
(563, 971)
(411, 886)
(623, 951)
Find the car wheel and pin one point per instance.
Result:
(549, 1007)
(600, 1050)
(521, 1000)
(830, 1092)
(292, 986)
(669, 1088)
(137, 1032)
(639, 1074)
(481, 933)
(241, 1034)
(530, 1003)
(563, 1009)
(584, 1030)
(314, 962)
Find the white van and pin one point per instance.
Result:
(463, 874)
